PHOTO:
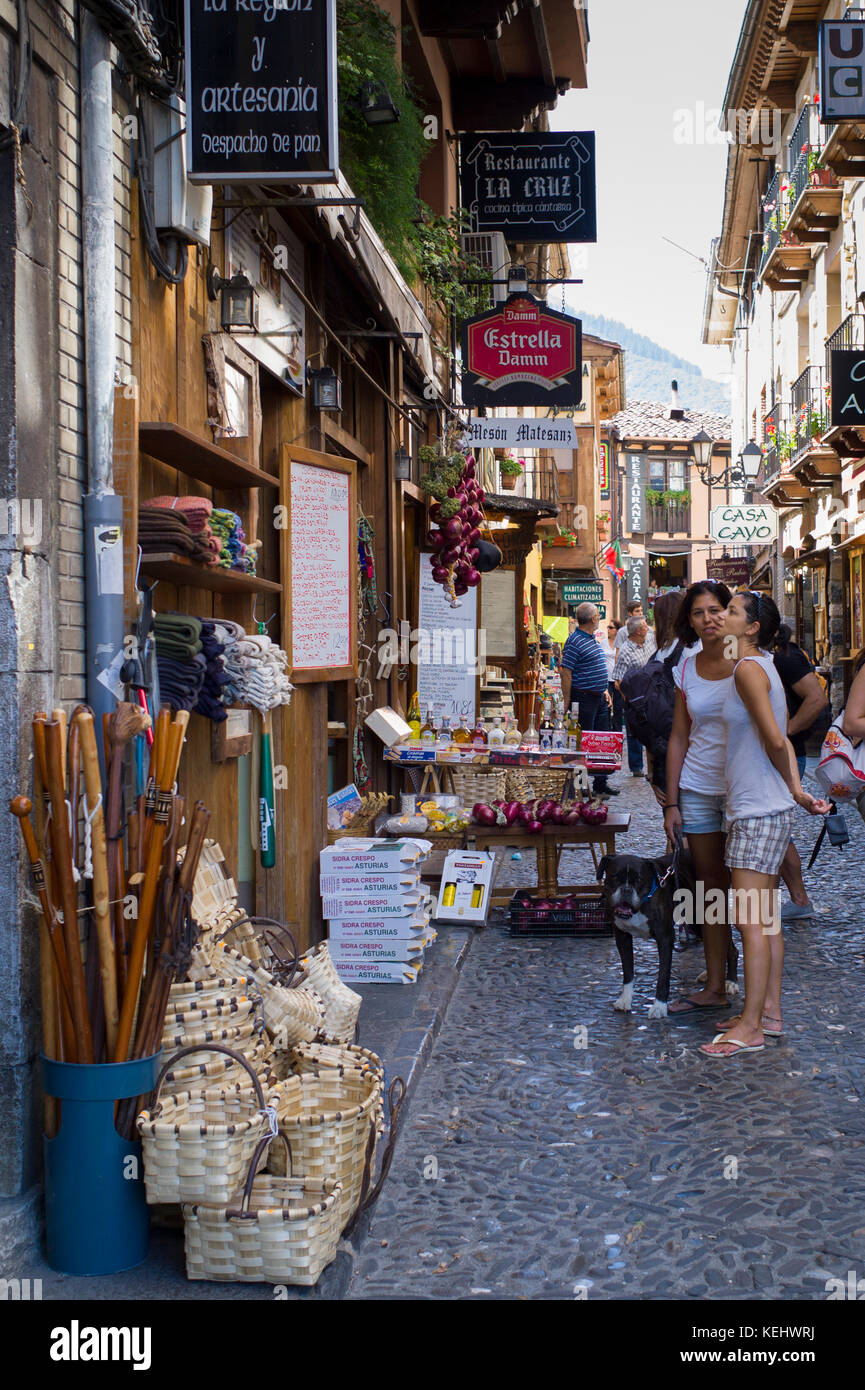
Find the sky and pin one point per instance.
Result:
(656, 71)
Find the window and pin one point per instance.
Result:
(676, 475)
(657, 474)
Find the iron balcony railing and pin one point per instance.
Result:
(808, 416)
(848, 336)
(776, 443)
(803, 153)
(538, 479)
(774, 215)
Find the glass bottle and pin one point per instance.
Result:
(443, 739)
(462, 732)
(428, 729)
(497, 733)
(414, 718)
(513, 737)
(574, 730)
(479, 741)
(560, 734)
(530, 737)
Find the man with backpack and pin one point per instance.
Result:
(806, 700)
(584, 679)
(633, 655)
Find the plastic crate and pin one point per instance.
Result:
(588, 918)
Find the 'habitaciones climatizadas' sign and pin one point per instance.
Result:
(531, 187)
(261, 90)
(522, 353)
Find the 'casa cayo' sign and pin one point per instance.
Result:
(261, 91)
(522, 353)
(743, 525)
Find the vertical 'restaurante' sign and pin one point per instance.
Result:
(261, 90)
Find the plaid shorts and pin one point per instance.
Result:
(759, 842)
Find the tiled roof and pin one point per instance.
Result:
(651, 420)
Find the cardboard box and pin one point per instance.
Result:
(366, 905)
(394, 929)
(346, 952)
(354, 883)
(366, 855)
(382, 972)
(387, 725)
(467, 876)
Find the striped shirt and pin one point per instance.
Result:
(585, 660)
(630, 656)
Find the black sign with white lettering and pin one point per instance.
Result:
(848, 387)
(261, 90)
(531, 187)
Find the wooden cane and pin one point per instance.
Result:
(101, 906)
(62, 851)
(62, 997)
(21, 806)
(150, 886)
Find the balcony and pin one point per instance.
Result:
(785, 261)
(849, 336)
(813, 461)
(814, 192)
(776, 481)
(672, 518)
(844, 150)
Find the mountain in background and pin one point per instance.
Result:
(649, 369)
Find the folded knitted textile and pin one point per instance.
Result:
(177, 635)
(180, 681)
(160, 529)
(196, 509)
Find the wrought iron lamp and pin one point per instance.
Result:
(376, 105)
(238, 307)
(743, 472)
(326, 388)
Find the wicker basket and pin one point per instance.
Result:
(527, 783)
(313, 1056)
(474, 784)
(237, 1035)
(204, 1068)
(341, 1004)
(363, 822)
(291, 1016)
(331, 1121)
(285, 1231)
(205, 994)
(198, 1148)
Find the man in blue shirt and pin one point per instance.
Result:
(584, 679)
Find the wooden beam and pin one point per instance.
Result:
(801, 36)
(853, 149)
(781, 95)
(496, 61)
(486, 105)
(454, 19)
(539, 25)
(848, 168)
(814, 237)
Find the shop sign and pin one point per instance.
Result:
(522, 353)
(635, 495)
(604, 471)
(842, 70)
(518, 432)
(729, 571)
(637, 579)
(583, 591)
(531, 187)
(848, 387)
(261, 91)
(733, 525)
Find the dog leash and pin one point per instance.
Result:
(672, 867)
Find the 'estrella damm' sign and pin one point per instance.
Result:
(522, 353)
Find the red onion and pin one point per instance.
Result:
(460, 588)
(440, 573)
(436, 540)
(474, 533)
(483, 814)
(535, 827)
(470, 468)
(512, 810)
(449, 555)
(453, 529)
(472, 578)
(572, 817)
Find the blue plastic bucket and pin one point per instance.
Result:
(96, 1216)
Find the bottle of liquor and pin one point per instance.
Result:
(513, 737)
(414, 718)
(574, 730)
(479, 741)
(560, 734)
(497, 733)
(530, 737)
(428, 729)
(444, 736)
(545, 742)
(462, 732)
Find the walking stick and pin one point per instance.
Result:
(62, 851)
(153, 864)
(62, 999)
(21, 806)
(86, 729)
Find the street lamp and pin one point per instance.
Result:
(744, 470)
(751, 459)
(376, 104)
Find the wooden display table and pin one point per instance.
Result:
(549, 845)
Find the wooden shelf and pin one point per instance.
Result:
(177, 569)
(194, 456)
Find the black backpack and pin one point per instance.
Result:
(650, 701)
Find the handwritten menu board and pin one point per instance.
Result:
(447, 650)
(498, 613)
(323, 565)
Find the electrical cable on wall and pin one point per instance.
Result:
(174, 274)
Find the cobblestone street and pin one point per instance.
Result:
(634, 1168)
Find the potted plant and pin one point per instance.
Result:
(654, 496)
(563, 537)
(510, 469)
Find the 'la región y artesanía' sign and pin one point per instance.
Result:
(261, 90)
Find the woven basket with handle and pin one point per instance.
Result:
(528, 783)
(283, 1231)
(341, 1004)
(472, 785)
(197, 1148)
(291, 1015)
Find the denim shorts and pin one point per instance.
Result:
(800, 763)
(702, 812)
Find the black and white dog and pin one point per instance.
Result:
(640, 903)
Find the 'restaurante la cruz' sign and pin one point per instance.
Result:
(522, 353)
(531, 186)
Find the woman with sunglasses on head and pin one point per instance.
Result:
(696, 782)
(763, 789)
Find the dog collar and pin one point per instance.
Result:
(653, 890)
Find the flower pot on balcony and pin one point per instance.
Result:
(562, 541)
(509, 481)
(822, 178)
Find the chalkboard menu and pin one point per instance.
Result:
(531, 187)
(261, 90)
(322, 561)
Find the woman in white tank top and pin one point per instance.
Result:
(763, 788)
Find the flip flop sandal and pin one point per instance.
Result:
(694, 1008)
(767, 1032)
(739, 1047)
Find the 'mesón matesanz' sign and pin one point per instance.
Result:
(261, 90)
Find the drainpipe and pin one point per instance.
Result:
(103, 509)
